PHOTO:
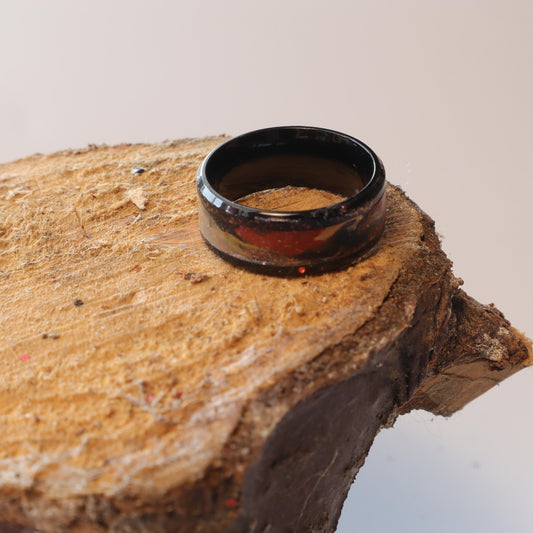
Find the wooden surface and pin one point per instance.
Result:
(144, 381)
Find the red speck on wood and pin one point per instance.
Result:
(25, 357)
(231, 503)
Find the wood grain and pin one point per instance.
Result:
(147, 385)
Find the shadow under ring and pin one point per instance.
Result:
(291, 243)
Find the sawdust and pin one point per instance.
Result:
(138, 197)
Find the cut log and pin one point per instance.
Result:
(148, 386)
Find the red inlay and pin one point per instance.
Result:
(290, 243)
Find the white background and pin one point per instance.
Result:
(442, 90)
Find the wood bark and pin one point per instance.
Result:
(148, 386)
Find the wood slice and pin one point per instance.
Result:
(148, 386)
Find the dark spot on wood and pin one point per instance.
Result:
(195, 277)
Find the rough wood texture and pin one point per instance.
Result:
(148, 386)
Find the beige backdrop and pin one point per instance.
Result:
(440, 89)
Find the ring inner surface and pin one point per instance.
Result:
(239, 171)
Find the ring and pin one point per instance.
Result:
(291, 242)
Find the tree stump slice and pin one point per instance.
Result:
(149, 386)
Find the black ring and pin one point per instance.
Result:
(291, 242)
